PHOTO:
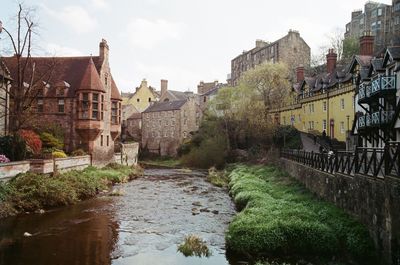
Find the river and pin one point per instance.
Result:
(143, 226)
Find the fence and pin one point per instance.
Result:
(375, 162)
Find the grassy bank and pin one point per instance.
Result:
(280, 218)
(32, 192)
(161, 162)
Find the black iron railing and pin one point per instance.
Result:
(375, 162)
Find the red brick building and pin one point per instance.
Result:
(81, 96)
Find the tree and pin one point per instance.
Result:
(351, 46)
(28, 78)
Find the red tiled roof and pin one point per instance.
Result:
(79, 72)
(91, 79)
(114, 91)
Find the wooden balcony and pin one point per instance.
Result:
(364, 93)
(383, 85)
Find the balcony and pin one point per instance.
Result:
(383, 85)
(364, 92)
(381, 118)
(361, 123)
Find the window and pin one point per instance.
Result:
(397, 7)
(85, 106)
(204, 99)
(342, 126)
(324, 125)
(184, 134)
(324, 106)
(106, 80)
(312, 125)
(102, 107)
(380, 12)
(138, 100)
(108, 140)
(114, 112)
(397, 20)
(95, 106)
(149, 99)
(342, 103)
(40, 105)
(101, 140)
(60, 92)
(61, 105)
(374, 13)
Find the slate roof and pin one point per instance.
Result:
(165, 106)
(394, 52)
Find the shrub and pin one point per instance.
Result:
(49, 141)
(32, 140)
(59, 154)
(288, 137)
(194, 246)
(4, 159)
(78, 152)
(13, 147)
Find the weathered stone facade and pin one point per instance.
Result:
(83, 99)
(166, 125)
(291, 50)
(4, 99)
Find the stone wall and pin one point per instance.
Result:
(373, 201)
(72, 163)
(129, 154)
(10, 170)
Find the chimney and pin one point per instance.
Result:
(164, 86)
(104, 49)
(331, 59)
(300, 73)
(367, 44)
(144, 83)
(260, 43)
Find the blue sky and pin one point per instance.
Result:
(184, 41)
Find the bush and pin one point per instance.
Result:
(78, 152)
(279, 218)
(32, 140)
(49, 141)
(13, 147)
(210, 153)
(194, 246)
(288, 137)
(4, 159)
(59, 154)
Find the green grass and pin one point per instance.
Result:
(162, 162)
(30, 192)
(279, 218)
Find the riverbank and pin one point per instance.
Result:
(161, 163)
(37, 192)
(280, 218)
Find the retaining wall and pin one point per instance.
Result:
(10, 170)
(374, 201)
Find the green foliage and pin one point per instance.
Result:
(31, 192)
(78, 152)
(217, 178)
(288, 137)
(49, 141)
(194, 246)
(59, 154)
(13, 147)
(280, 218)
(351, 46)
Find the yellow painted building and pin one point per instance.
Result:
(142, 97)
(329, 108)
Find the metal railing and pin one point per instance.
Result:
(383, 83)
(375, 162)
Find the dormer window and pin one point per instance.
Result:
(60, 92)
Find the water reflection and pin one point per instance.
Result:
(81, 234)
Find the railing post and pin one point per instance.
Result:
(387, 158)
(312, 159)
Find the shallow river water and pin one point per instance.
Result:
(144, 226)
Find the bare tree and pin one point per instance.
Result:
(28, 78)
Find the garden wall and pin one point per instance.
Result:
(10, 170)
(373, 201)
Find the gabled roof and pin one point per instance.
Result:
(392, 53)
(165, 106)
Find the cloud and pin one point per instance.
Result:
(99, 3)
(58, 50)
(147, 34)
(75, 18)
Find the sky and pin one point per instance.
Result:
(183, 41)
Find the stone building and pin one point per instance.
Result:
(291, 50)
(82, 98)
(173, 95)
(166, 125)
(382, 20)
(206, 91)
(4, 99)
